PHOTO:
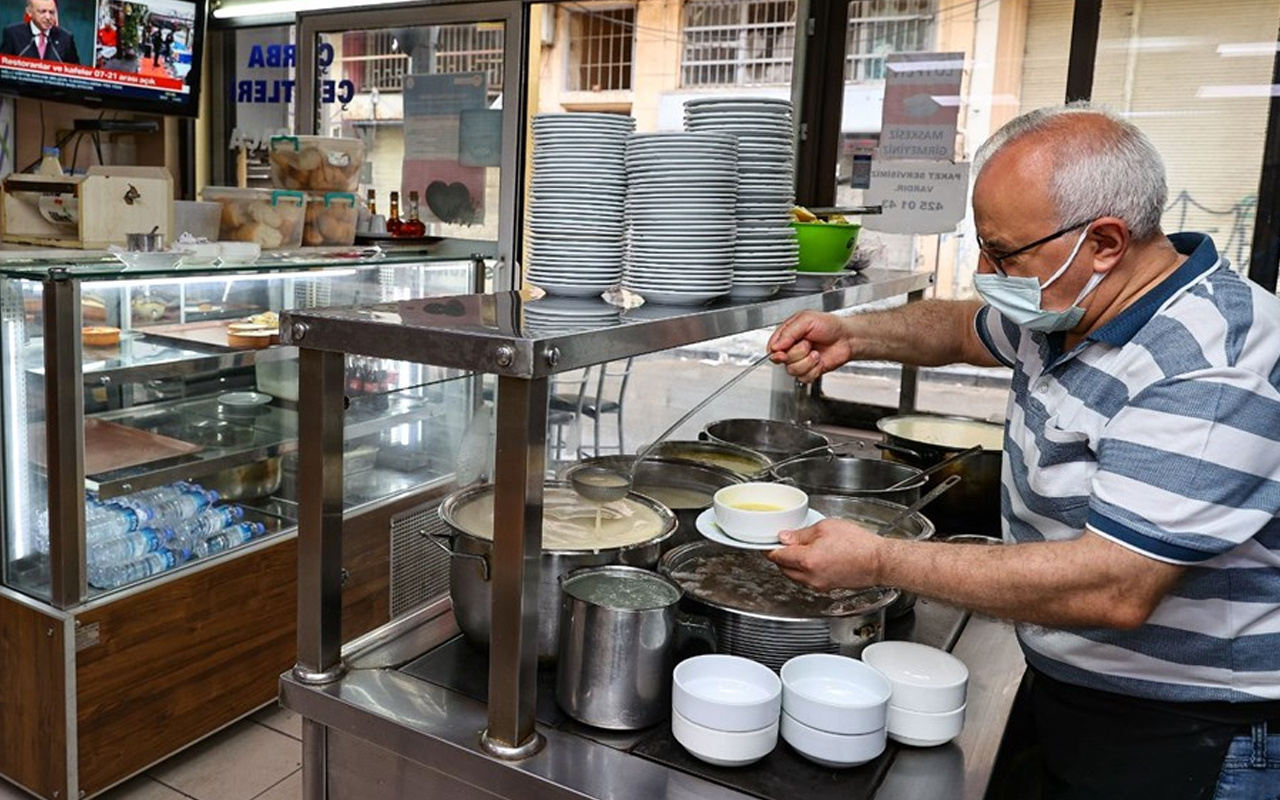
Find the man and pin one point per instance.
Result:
(40, 37)
(1141, 467)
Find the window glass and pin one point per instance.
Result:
(600, 49)
(738, 42)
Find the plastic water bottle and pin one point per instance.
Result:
(109, 577)
(51, 163)
(184, 506)
(228, 538)
(129, 546)
(110, 521)
(209, 522)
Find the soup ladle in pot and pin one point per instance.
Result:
(946, 462)
(927, 498)
(604, 484)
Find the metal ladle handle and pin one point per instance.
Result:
(662, 436)
(946, 462)
(928, 498)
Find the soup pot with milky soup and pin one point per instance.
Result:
(685, 487)
(922, 440)
(629, 531)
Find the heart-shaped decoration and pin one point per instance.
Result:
(450, 202)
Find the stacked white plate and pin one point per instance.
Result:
(766, 253)
(577, 194)
(555, 316)
(680, 213)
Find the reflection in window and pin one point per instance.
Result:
(738, 43)
(376, 59)
(600, 49)
(880, 27)
(372, 60)
(471, 48)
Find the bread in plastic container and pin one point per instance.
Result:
(330, 220)
(272, 219)
(316, 163)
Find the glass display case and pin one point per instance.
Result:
(150, 490)
(189, 428)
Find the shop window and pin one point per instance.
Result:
(600, 50)
(880, 27)
(378, 59)
(736, 43)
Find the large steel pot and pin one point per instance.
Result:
(759, 613)
(471, 557)
(685, 487)
(922, 440)
(772, 437)
(722, 455)
(852, 476)
(873, 512)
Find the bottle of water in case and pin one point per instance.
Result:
(209, 521)
(186, 505)
(109, 577)
(109, 521)
(228, 538)
(128, 546)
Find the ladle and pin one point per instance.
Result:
(831, 453)
(925, 499)
(946, 462)
(604, 484)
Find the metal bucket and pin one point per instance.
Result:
(731, 587)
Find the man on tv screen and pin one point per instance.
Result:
(39, 36)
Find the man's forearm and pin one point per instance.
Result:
(927, 333)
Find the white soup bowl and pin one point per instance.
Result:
(726, 693)
(834, 693)
(724, 748)
(834, 750)
(923, 678)
(758, 512)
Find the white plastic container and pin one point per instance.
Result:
(330, 220)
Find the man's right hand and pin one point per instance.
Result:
(810, 343)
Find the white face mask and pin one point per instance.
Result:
(1018, 299)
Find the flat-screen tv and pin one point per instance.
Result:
(119, 54)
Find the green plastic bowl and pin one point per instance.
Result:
(825, 246)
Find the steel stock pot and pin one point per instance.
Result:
(637, 525)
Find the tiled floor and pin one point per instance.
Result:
(259, 758)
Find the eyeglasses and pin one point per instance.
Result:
(996, 257)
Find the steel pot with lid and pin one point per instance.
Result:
(874, 513)
(761, 614)
(685, 487)
(852, 476)
(922, 440)
(569, 541)
(772, 437)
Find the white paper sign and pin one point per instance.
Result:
(921, 105)
(917, 196)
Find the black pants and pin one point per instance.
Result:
(1093, 745)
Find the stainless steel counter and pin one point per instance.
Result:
(377, 723)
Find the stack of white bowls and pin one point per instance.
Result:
(680, 205)
(724, 709)
(834, 709)
(929, 691)
(577, 194)
(766, 253)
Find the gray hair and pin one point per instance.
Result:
(1100, 171)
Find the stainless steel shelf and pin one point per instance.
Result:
(488, 333)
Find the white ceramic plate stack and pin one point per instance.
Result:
(929, 691)
(554, 316)
(577, 193)
(766, 253)
(681, 190)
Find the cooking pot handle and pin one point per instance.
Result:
(435, 538)
(902, 451)
(695, 635)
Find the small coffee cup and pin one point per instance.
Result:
(758, 512)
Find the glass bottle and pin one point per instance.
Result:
(394, 222)
(373, 204)
(412, 226)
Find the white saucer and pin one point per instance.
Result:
(706, 525)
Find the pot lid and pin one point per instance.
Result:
(746, 581)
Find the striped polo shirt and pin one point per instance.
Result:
(1161, 432)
